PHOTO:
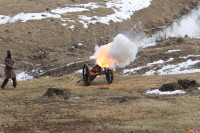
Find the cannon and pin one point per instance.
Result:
(90, 75)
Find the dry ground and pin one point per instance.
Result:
(119, 107)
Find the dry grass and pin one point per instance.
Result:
(156, 22)
(121, 108)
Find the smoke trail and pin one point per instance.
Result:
(187, 25)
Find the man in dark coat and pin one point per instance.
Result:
(9, 70)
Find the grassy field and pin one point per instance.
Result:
(119, 107)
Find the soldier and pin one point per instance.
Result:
(9, 70)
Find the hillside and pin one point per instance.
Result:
(45, 44)
(51, 40)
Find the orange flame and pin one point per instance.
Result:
(103, 59)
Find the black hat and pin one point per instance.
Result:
(9, 52)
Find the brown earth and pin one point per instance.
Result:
(181, 84)
(57, 93)
(171, 87)
(122, 107)
(48, 43)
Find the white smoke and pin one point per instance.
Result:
(187, 25)
(123, 50)
(120, 52)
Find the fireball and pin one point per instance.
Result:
(121, 52)
(103, 59)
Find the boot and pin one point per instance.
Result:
(14, 82)
(4, 83)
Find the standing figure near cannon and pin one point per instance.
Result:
(9, 70)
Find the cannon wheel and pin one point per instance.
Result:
(86, 75)
(109, 76)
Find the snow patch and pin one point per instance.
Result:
(71, 27)
(80, 44)
(91, 5)
(33, 16)
(23, 76)
(185, 57)
(2, 65)
(4, 19)
(151, 72)
(170, 59)
(77, 98)
(181, 68)
(78, 71)
(23, 17)
(171, 51)
(150, 45)
(85, 25)
(158, 92)
(92, 57)
(73, 63)
(64, 24)
(68, 10)
(123, 10)
(134, 70)
(156, 62)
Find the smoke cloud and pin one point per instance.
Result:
(187, 25)
(121, 52)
